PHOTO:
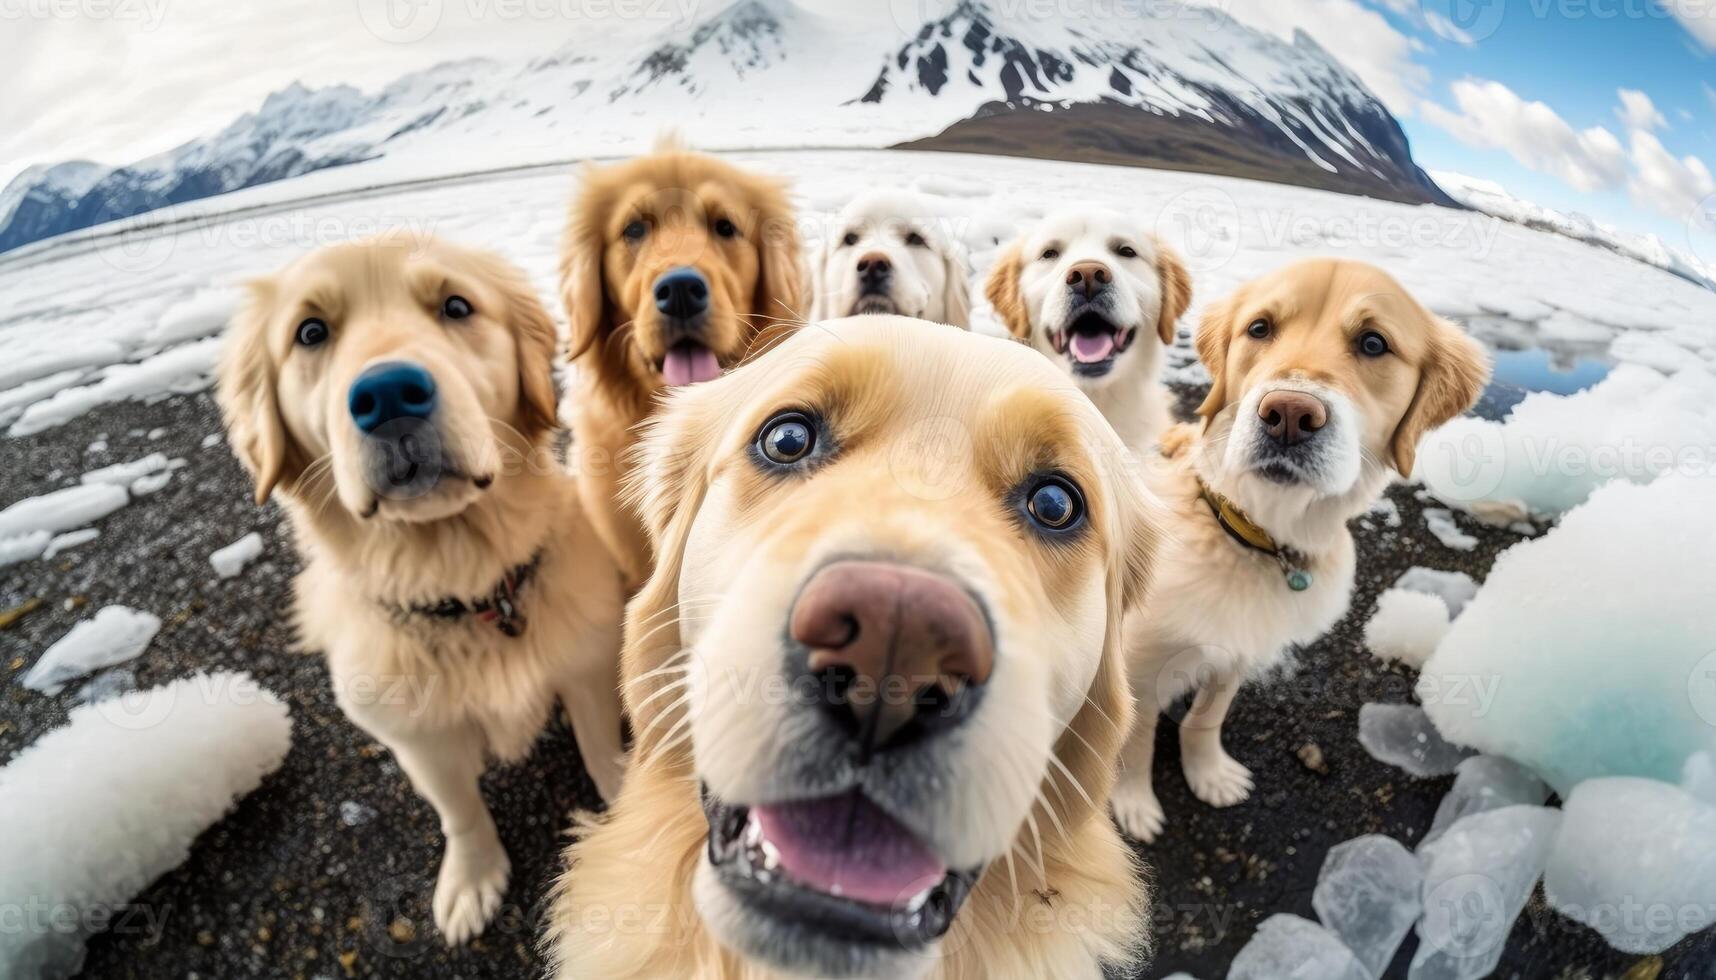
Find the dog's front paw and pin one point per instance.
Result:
(1216, 778)
(1136, 809)
(474, 873)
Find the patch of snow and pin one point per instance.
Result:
(143, 486)
(62, 510)
(1455, 588)
(354, 814)
(122, 474)
(1406, 626)
(1477, 878)
(1483, 783)
(115, 634)
(212, 440)
(1593, 642)
(1287, 947)
(98, 446)
(155, 434)
(230, 560)
(1440, 521)
(202, 314)
(1369, 894)
(107, 685)
(1403, 736)
(70, 540)
(1386, 511)
(179, 370)
(96, 810)
(24, 547)
(1699, 776)
(14, 401)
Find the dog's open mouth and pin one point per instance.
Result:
(1092, 342)
(689, 362)
(838, 867)
(874, 303)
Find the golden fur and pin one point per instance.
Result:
(441, 694)
(617, 341)
(1218, 613)
(1066, 897)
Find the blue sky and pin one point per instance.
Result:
(1574, 56)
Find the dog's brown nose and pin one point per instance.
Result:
(896, 652)
(1292, 417)
(1088, 278)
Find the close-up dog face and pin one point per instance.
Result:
(1094, 291)
(1325, 373)
(889, 254)
(672, 265)
(897, 558)
(388, 375)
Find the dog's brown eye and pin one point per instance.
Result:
(1054, 504)
(916, 240)
(312, 333)
(850, 239)
(635, 231)
(457, 308)
(1126, 252)
(1051, 253)
(725, 228)
(1372, 344)
(787, 439)
(1259, 329)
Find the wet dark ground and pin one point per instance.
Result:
(284, 887)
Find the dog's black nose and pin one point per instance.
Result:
(896, 652)
(682, 293)
(874, 270)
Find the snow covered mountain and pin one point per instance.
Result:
(762, 73)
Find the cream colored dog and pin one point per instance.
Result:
(1326, 373)
(877, 689)
(1100, 296)
(398, 394)
(890, 254)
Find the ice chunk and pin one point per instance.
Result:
(1287, 947)
(1369, 894)
(1455, 588)
(1636, 861)
(1476, 880)
(1553, 450)
(1483, 783)
(113, 636)
(62, 510)
(143, 486)
(121, 474)
(230, 560)
(1406, 626)
(1441, 523)
(1699, 777)
(212, 440)
(70, 540)
(1590, 651)
(98, 809)
(23, 547)
(107, 685)
(14, 401)
(1402, 735)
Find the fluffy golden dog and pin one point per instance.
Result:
(398, 394)
(875, 676)
(1099, 295)
(1326, 374)
(890, 254)
(672, 267)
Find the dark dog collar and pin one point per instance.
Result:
(500, 606)
(1249, 533)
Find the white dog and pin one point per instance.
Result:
(888, 255)
(1099, 295)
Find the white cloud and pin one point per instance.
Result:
(1698, 17)
(1670, 186)
(1359, 36)
(1638, 111)
(1492, 116)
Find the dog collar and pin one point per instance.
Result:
(500, 606)
(1247, 532)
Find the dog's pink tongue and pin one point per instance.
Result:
(1089, 347)
(846, 846)
(687, 364)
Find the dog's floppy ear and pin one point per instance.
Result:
(248, 395)
(956, 289)
(780, 279)
(581, 250)
(1215, 332)
(1176, 292)
(534, 334)
(1452, 379)
(817, 284)
(1002, 291)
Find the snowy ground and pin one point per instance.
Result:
(325, 871)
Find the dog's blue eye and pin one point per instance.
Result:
(1372, 344)
(635, 231)
(787, 439)
(1259, 330)
(457, 308)
(312, 333)
(1054, 504)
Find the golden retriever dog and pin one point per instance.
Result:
(890, 254)
(672, 266)
(1326, 374)
(1100, 295)
(397, 394)
(878, 690)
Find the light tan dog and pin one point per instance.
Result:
(890, 253)
(1326, 374)
(672, 267)
(398, 394)
(877, 688)
(1099, 295)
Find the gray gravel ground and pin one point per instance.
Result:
(284, 887)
